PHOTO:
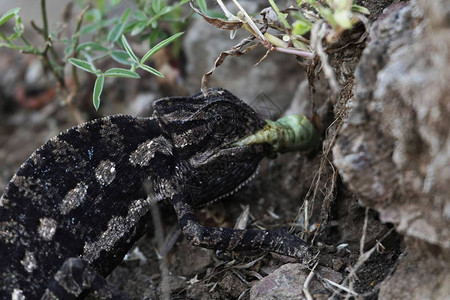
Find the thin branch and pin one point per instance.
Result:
(225, 10)
(341, 287)
(307, 282)
(80, 19)
(25, 41)
(3, 37)
(44, 19)
(48, 63)
(318, 32)
(305, 54)
(251, 23)
(37, 28)
(364, 232)
(159, 235)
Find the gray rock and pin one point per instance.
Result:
(287, 282)
(394, 148)
(422, 273)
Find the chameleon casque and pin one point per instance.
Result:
(77, 205)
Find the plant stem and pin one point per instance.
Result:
(25, 41)
(225, 10)
(3, 37)
(44, 19)
(35, 27)
(305, 54)
(44, 31)
(44, 54)
(75, 52)
(250, 22)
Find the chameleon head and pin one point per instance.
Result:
(201, 129)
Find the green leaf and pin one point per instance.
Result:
(138, 28)
(140, 15)
(360, 9)
(156, 6)
(8, 15)
(281, 16)
(65, 41)
(202, 5)
(301, 27)
(93, 15)
(119, 72)
(151, 70)
(91, 28)
(68, 50)
(82, 64)
(117, 30)
(121, 57)
(342, 18)
(166, 10)
(19, 28)
(129, 50)
(159, 47)
(126, 15)
(98, 88)
(92, 46)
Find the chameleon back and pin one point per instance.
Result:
(73, 197)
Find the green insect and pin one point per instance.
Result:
(290, 133)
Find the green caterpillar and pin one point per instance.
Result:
(290, 133)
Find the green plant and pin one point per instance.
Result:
(299, 30)
(99, 35)
(131, 59)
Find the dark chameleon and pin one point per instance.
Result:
(77, 205)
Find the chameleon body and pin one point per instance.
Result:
(77, 205)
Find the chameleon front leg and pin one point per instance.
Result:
(237, 239)
(77, 280)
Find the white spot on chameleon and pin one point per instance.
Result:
(29, 262)
(3, 201)
(105, 172)
(183, 139)
(146, 151)
(165, 187)
(73, 198)
(36, 158)
(18, 180)
(17, 294)
(117, 225)
(47, 228)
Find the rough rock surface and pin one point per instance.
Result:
(287, 282)
(394, 148)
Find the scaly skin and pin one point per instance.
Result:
(78, 204)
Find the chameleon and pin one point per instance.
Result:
(76, 206)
